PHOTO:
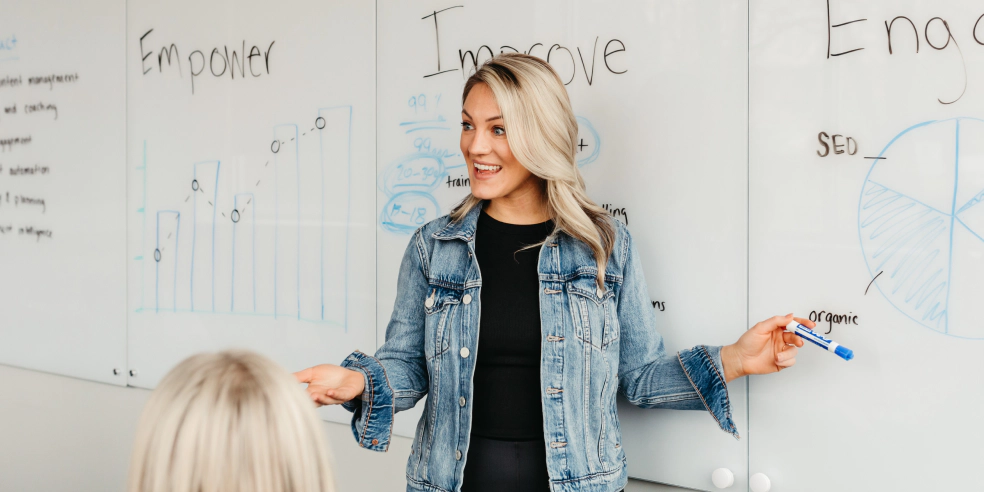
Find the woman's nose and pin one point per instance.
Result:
(480, 144)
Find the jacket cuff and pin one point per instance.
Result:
(372, 419)
(704, 369)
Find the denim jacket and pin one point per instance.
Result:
(594, 343)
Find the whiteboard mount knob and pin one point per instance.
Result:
(759, 483)
(723, 478)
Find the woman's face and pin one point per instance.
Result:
(493, 170)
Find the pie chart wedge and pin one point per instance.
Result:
(921, 224)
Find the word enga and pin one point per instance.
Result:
(220, 63)
(936, 33)
(561, 57)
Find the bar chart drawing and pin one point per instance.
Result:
(268, 236)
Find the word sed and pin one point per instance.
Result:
(220, 63)
(839, 143)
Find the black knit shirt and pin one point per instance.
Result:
(507, 403)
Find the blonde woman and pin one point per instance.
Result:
(231, 421)
(504, 321)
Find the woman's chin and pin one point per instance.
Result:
(483, 192)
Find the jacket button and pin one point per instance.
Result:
(464, 352)
(466, 299)
(461, 401)
(457, 454)
(429, 302)
(375, 442)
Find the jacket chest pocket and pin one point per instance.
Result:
(593, 311)
(441, 309)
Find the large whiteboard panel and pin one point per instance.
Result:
(63, 188)
(251, 142)
(663, 128)
(889, 230)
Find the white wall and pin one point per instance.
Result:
(64, 434)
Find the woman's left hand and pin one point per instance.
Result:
(764, 348)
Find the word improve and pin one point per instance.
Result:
(936, 33)
(220, 63)
(558, 55)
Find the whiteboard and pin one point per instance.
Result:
(63, 186)
(884, 229)
(251, 216)
(663, 128)
(209, 183)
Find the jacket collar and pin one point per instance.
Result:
(463, 228)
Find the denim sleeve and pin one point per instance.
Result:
(648, 376)
(396, 377)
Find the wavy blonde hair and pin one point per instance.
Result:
(542, 133)
(231, 421)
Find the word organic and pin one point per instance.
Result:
(219, 62)
(831, 319)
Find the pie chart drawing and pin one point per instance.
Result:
(921, 224)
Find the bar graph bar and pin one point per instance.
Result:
(243, 218)
(166, 252)
(205, 188)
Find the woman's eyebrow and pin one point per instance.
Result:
(496, 117)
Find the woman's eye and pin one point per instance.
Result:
(465, 125)
(500, 131)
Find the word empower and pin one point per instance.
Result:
(220, 62)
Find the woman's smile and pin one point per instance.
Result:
(485, 171)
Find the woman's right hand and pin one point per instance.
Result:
(328, 384)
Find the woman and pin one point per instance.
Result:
(232, 421)
(527, 402)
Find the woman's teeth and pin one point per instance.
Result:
(482, 167)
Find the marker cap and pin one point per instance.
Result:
(844, 352)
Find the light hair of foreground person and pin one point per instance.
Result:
(229, 421)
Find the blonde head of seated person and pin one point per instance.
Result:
(229, 421)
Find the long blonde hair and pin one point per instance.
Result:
(542, 133)
(231, 421)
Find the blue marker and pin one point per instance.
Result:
(824, 343)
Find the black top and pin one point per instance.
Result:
(507, 403)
